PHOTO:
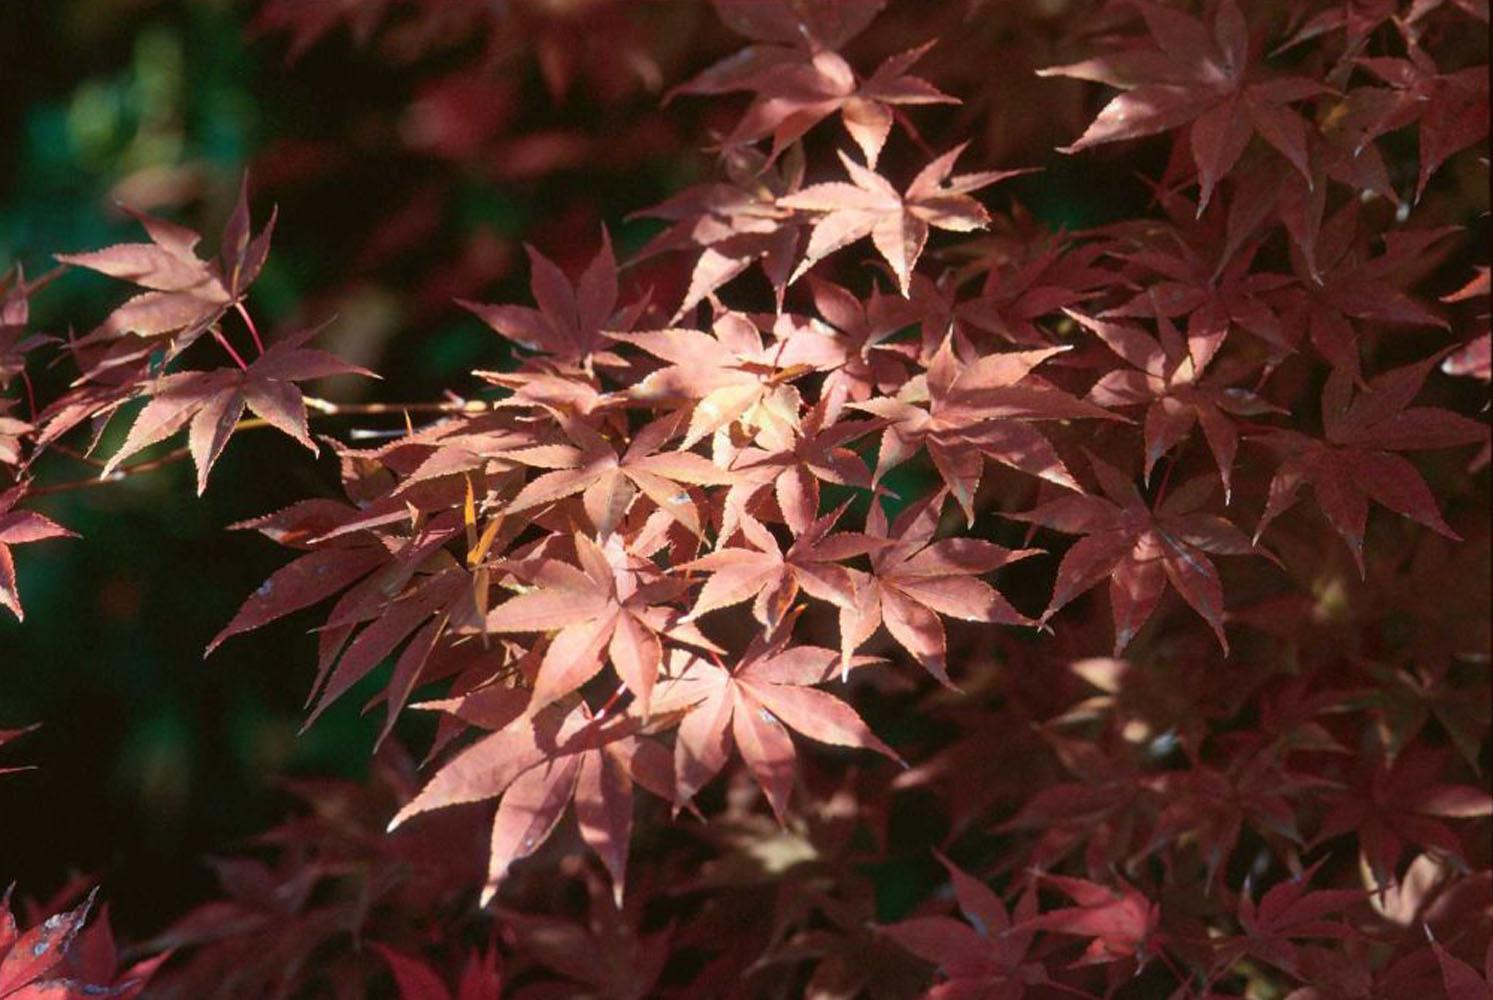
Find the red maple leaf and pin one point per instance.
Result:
(733, 224)
(799, 84)
(771, 577)
(51, 960)
(185, 294)
(1139, 550)
(726, 377)
(754, 705)
(213, 401)
(985, 957)
(1389, 804)
(1202, 77)
(1355, 460)
(1121, 922)
(570, 319)
(864, 363)
(792, 465)
(1451, 109)
(1166, 378)
(609, 482)
(981, 409)
(897, 222)
(914, 579)
(1289, 911)
(539, 760)
(1202, 266)
(611, 605)
(9, 736)
(481, 977)
(1342, 281)
(20, 527)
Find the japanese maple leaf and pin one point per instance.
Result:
(1451, 109)
(799, 78)
(607, 955)
(609, 605)
(754, 704)
(1164, 378)
(306, 24)
(729, 376)
(481, 977)
(538, 761)
(914, 579)
(771, 578)
(433, 594)
(898, 223)
(609, 482)
(325, 567)
(12, 433)
(1203, 268)
(1388, 805)
(1209, 806)
(985, 957)
(793, 464)
(34, 963)
(19, 527)
(93, 964)
(1473, 359)
(15, 313)
(733, 225)
(185, 294)
(1023, 284)
(1201, 77)
(1121, 922)
(974, 411)
(801, 84)
(1289, 911)
(1460, 979)
(401, 590)
(1342, 282)
(788, 22)
(1105, 811)
(9, 736)
(1139, 550)
(864, 363)
(570, 319)
(213, 401)
(1355, 461)
(1356, 18)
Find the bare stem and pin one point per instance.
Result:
(223, 343)
(125, 472)
(249, 322)
(76, 455)
(30, 394)
(328, 408)
(170, 458)
(318, 407)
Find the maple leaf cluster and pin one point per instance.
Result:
(59, 958)
(717, 589)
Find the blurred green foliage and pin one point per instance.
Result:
(149, 760)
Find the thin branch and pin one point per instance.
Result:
(318, 407)
(76, 455)
(249, 322)
(114, 476)
(328, 408)
(128, 471)
(30, 394)
(223, 343)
